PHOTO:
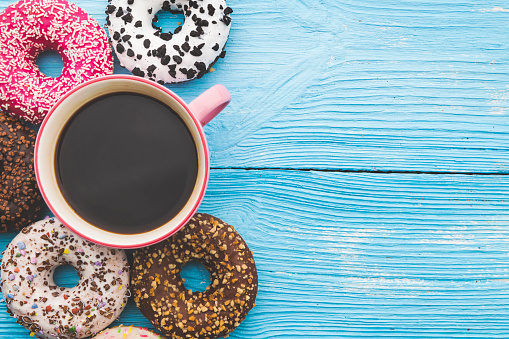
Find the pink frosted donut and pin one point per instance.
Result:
(127, 332)
(29, 27)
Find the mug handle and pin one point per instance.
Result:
(208, 104)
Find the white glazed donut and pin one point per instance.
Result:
(50, 311)
(126, 332)
(186, 54)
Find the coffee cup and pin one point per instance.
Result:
(78, 178)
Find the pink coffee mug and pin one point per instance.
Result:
(198, 113)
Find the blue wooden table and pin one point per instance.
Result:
(364, 159)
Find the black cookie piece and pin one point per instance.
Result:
(20, 199)
(160, 293)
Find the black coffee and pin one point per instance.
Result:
(126, 163)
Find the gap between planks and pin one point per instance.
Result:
(374, 171)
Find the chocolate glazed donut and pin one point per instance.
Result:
(160, 293)
(20, 199)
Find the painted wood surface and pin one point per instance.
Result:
(330, 97)
(349, 255)
(361, 85)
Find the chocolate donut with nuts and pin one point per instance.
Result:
(160, 293)
(20, 199)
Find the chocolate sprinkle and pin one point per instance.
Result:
(211, 9)
(200, 41)
(177, 59)
(138, 72)
(190, 72)
(110, 9)
(166, 36)
(196, 51)
(227, 20)
(200, 66)
(20, 199)
(58, 312)
(151, 68)
(173, 70)
(177, 30)
(120, 48)
(127, 18)
(161, 51)
(165, 60)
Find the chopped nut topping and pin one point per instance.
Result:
(193, 314)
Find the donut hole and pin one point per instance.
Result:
(196, 277)
(66, 276)
(50, 63)
(169, 21)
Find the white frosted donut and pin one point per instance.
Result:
(186, 54)
(50, 311)
(126, 332)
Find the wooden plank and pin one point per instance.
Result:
(392, 85)
(361, 85)
(346, 255)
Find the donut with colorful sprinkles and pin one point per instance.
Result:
(179, 313)
(168, 57)
(30, 27)
(129, 332)
(50, 311)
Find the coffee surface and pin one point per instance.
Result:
(126, 163)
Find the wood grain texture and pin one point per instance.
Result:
(376, 86)
(365, 255)
(392, 85)
(361, 85)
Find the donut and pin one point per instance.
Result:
(185, 54)
(20, 199)
(122, 332)
(160, 293)
(30, 27)
(50, 311)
